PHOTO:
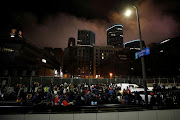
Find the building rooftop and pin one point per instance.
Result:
(118, 25)
(132, 41)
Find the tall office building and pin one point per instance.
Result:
(85, 61)
(100, 54)
(164, 58)
(21, 58)
(86, 37)
(115, 36)
(70, 59)
(78, 61)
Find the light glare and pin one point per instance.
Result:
(44, 60)
(128, 12)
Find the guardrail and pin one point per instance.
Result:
(27, 81)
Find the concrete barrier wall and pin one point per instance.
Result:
(135, 115)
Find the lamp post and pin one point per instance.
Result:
(44, 61)
(128, 13)
(110, 74)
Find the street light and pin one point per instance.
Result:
(128, 13)
(110, 74)
(44, 61)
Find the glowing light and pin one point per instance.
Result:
(44, 60)
(55, 72)
(110, 74)
(13, 32)
(114, 26)
(20, 34)
(113, 34)
(102, 55)
(128, 12)
(132, 41)
(7, 49)
(165, 41)
(135, 49)
(97, 76)
(119, 28)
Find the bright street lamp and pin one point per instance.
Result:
(110, 74)
(128, 13)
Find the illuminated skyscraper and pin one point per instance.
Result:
(115, 36)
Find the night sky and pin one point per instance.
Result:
(52, 23)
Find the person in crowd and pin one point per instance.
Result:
(36, 99)
(45, 90)
(110, 91)
(57, 100)
(153, 100)
(83, 94)
(19, 100)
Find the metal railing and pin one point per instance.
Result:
(46, 81)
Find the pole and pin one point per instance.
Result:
(30, 84)
(142, 58)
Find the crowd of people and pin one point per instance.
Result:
(84, 94)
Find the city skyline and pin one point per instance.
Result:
(77, 59)
(52, 25)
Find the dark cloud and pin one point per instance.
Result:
(55, 31)
(156, 24)
(52, 23)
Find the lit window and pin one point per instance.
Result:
(7, 50)
(119, 28)
(102, 57)
(113, 34)
(13, 32)
(20, 34)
